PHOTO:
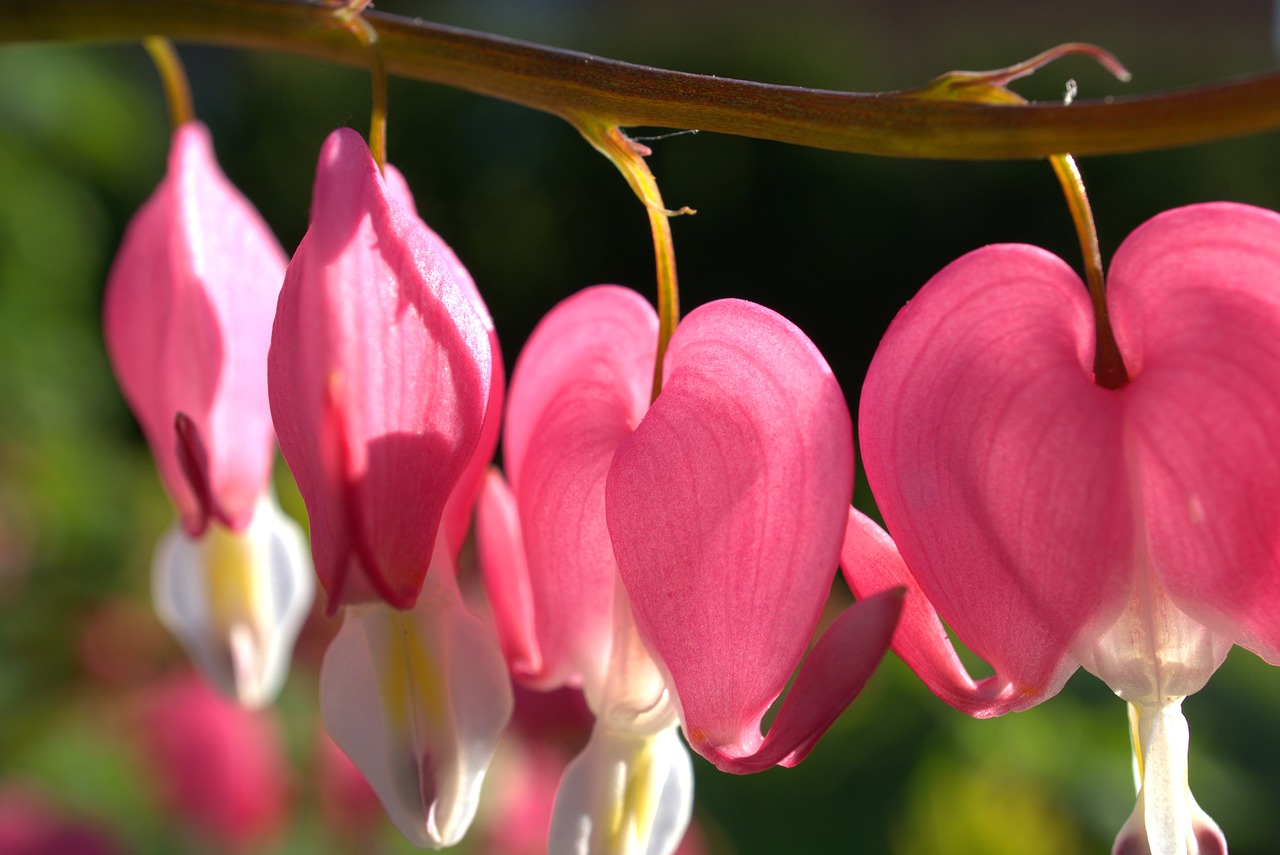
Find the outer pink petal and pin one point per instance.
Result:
(188, 313)
(221, 769)
(580, 386)
(999, 465)
(379, 380)
(506, 575)
(1195, 296)
(832, 676)
(457, 513)
(872, 566)
(727, 508)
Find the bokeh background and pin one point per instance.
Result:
(92, 691)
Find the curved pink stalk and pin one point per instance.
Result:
(187, 321)
(380, 370)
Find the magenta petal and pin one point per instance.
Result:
(872, 566)
(727, 507)
(379, 379)
(581, 384)
(457, 512)
(456, 521)
(832, 676)
(999, 465)
(1196, 304)
(187, 320)
(505, 571)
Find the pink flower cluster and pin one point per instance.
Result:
(669, 555)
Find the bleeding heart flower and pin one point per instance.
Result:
(380, 369)
(385, 386)
(1054, 523)
(672, 558)
(188, 313)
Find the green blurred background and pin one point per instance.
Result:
(835, 242)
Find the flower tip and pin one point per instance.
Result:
(418, 700)
(237, 601)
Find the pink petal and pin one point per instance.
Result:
(1034, 507)
(187, 320)
(727, 507)
(457, 512)
(872, 566)
(379, 380)
(1196, 305)
(221, 769)
(500, 547)
(580, 386)
(999, 466)
(832, 676)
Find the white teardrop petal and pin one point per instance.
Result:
(236, 601)
(417, 699)
(625, 794)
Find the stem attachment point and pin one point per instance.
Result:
(173, 77)
(628, 156)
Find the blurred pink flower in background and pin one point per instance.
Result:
(220, 769)
(30, 824)
(349, 806)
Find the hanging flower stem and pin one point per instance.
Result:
(1108, 364)
(352, 17)
(628, 156)
(992, 87)
(173, 77)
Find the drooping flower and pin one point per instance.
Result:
(672, 558)
(385, 386)
(1055, 524)
(187, 321)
